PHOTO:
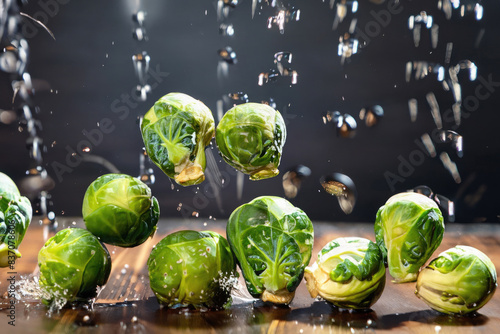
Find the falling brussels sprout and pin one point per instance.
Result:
(459, 281)
(272, 241)
(349, 273)
(190, 268)
(120, 210)
(175, 132)
(250, 138)
(15, 216)
(73, 264)
(408, 229)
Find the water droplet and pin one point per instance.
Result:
(226, 29)
(347, 47)
(228, 55)
(342, 187)
(233, 99)
(292, 180)
(448, 136)
(450, 166)
(423, 20)
(345, 124)
(139, 17)
(141, 66)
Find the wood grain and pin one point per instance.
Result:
(127, 305)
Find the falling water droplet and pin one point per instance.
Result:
(428, 144)
(293, 178)
(228, 55)
(371, 115)
(342, 187)
(233, 99)
(450, 166)
(412, 105)
(226, 29)
(448, 136)
(447, 205)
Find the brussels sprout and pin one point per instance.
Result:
(349, 273)
(73, 264)
(15, 217)
(175, 132)
(120, 210)
(190, 268)
(408, 229)
(250, 138)
(272, 241)
(459, 281)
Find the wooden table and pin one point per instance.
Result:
(127, 305)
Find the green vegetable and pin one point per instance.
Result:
(250, 138)
(73, 264)
(15, 217)
(120, 210)
(190, 268)
(408, 229)
(175, 132)
(272, 241)
(459, 281)
(349, 273)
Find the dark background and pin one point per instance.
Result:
(89, 67)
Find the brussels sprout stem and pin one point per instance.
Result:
(265, 172)
(282, 296)
(6, 253)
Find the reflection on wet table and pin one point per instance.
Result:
(127, 305)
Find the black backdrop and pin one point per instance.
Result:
(90, 73)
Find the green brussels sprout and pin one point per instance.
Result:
(408, 229)
(459, 281)
(120, 210)
(250, 138)
(15, 216)
(349, 273)
(73, 264)
(272, 241)
(190, 268)
(175, 132)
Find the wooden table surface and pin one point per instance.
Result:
(127, 305)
